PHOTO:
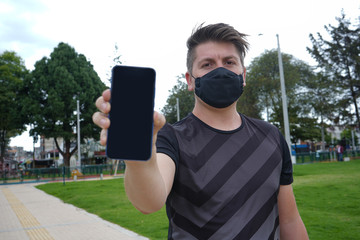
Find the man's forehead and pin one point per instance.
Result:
(215, 50)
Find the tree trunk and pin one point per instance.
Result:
(353, 94)
(66, 154)
(2, 146)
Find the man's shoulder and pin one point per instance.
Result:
(177, 126)
(256, 121)
(183, 123)
(261, 126)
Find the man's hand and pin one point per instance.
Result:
(100, 118)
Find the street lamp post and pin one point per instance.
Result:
(78, 163)
(284, 100)
(177, 109)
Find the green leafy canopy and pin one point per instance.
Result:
(12, 74)
(53, 89)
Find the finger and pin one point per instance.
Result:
(102, 105)
(101, 120)
(106, 95)
(103, 137)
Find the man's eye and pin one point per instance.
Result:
(230, 63)
(206, 65)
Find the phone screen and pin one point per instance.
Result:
(131, 115)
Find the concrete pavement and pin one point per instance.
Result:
(28, 213)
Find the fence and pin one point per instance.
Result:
(92, 171)
(58, 174)
(310, 157)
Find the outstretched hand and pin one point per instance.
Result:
(101, 119)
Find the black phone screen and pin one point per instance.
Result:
(131, 115)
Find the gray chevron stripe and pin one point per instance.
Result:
(238, 180)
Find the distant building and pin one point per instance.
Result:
(48, 150)
(91, 153)
(17, 154)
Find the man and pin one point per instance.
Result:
(340, 151)
(221, 174)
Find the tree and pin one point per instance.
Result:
(264, 78)
(186, 101)
(12, 74)
(115, 60)
(320, 96)
(348, 137)
(340, 58)
(248, 103)
(53, 89)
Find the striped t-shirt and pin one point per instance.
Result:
(226, 182)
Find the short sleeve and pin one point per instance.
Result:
(167, 143)
(286, 177)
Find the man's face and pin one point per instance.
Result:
(212, 55)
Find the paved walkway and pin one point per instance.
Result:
(28, 213)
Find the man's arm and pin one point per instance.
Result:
(291, 224)
(148, 183)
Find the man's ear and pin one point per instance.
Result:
(190, 81)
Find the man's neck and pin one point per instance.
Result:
(225, 119)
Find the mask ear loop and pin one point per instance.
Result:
(197, 84)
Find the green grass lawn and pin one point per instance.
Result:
(328, 198)
(327, 194)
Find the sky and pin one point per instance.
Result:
(154, 33)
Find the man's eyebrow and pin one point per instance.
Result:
(232, 57)
(207, 59)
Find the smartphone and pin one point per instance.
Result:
(130, 133)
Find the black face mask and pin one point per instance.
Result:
(219, 88)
